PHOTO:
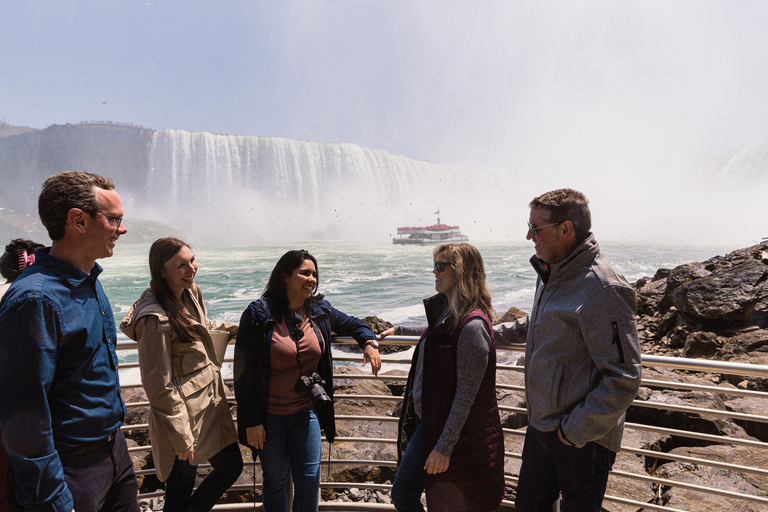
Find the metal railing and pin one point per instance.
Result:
(693, 365)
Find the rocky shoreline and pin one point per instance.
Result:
(716, 309)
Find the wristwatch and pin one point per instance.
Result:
(373, 343)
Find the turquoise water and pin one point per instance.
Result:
(363, 279)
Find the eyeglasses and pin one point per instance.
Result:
(110, 218)
(536, 230)
(440, 265)
(297, 320)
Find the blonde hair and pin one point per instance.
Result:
(470, 290)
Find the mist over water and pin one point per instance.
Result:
(241, 190)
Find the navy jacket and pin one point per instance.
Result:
(252, 353)
(58, 373)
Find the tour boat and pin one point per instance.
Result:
(436, 234)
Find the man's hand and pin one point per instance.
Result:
(562, 437)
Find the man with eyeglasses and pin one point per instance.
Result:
(582, 359)
(61, 407)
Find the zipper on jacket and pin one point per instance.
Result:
(617, 341)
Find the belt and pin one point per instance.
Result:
(88, 452)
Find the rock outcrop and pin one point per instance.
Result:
(716, 309)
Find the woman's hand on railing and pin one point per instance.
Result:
(371, 354)
(386, 333)
(256, 436)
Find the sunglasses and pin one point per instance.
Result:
(536, 230)
(297, 326)
(440, 265)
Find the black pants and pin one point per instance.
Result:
(100, 478)
(551, 467)
(227, 466)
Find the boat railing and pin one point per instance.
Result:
(658, 484)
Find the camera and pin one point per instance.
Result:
(312, 385)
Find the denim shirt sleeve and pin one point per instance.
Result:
(28, 353)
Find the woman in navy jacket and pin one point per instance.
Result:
(284, 378)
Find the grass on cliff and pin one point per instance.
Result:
(7, 130)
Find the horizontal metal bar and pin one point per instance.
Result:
(691, 487)
(707, 365)
(350, 396)
(694, 460)
(696, 435)
(366, 418)
(521, 410)
(699, 410)
(364, 440)
(642, 504)
(697, 387)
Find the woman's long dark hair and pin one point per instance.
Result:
(287, 263)
(161, 251)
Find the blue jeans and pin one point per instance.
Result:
(551, 467)
(292, 441)
(410, 480)
(227, 466)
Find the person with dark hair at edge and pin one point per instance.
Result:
(582, 359)
(61, 423)
(283, 377)
(18, 255)
(189, 418)
(450, 442)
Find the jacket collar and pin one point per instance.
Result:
(585, 252)
(268, 309)
(434, 307)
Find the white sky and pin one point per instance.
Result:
(585, 86)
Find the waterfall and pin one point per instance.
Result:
(277, 188)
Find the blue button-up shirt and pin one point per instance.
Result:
(59, 384)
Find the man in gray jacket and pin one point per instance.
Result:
(582, 359)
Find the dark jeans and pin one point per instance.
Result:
(227, 466)
(100, 478)
(551, 467)
(293, 441)
(410, 480)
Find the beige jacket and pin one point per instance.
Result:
(188, 405)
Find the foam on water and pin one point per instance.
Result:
(360, 279)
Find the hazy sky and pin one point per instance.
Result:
(568, 88)
(496, 83)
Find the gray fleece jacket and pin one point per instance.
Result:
(582, 355)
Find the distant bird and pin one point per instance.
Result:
(103, 102)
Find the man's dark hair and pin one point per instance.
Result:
(566, 204)
(64, 191)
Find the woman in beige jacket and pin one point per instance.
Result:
(190, 421)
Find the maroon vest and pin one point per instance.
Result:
(475, 477)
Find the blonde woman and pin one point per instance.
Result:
(450, 442)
